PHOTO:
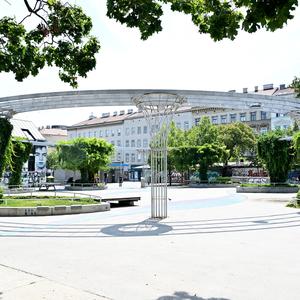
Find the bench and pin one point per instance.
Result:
(122, 200)
(45, 186)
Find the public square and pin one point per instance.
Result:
(215, 244)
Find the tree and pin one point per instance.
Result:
(175, 139)
(276, 153)
(296, 85)
(19, 155)
(5, 134)
(219, 18)
(88, 155)
(207, 155)
(52, 160)
(238, 138)
(203, 133)
(60, 37)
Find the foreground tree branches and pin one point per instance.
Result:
(61, 38)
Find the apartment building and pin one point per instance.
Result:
(128, 130)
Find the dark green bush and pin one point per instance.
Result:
(223, 179)
(1, 192)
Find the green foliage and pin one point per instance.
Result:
(1, 192)
(206, 156)
(88, 155)
(238, 138)
(277, 154)
(219, 18)
(52, 160)
(296, 85)
(5, 134)
(19, 155)
(61, 39)
(204, 133)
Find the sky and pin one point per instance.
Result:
(176, 58)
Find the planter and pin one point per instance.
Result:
(52, 210)
(212, 185)
(267, 189)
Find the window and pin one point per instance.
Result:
(127, 157)
(83, 134)
(112, 133)
(224, 119)
(119, 132)
(28, 134)
(139, 157)
(145, 130)
(132, 157)
(71, 135)
(263, 129)
(263, 115)
(197, 120)
(89, 134)
(242, 117)
(186, 125)
(253, 116)
(112, 142)
(214, 119)
(106, 132)
(119, 156)
(118, 143)
(139, 130)
(100, 133)
(95, 133)
(79, 135)
(138, 144)
(127, 143)
(132, 143)
(145, 143)
(127, 131)
(132, 130)
(178, 125)
(232, 118)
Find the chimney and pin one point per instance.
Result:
(282, 86)
(245, 90)
(122, 112)
(115, 113)
(91, 116)
(268, 86)
(130, 111)
(256, 89)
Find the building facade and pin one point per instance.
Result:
(128, 130)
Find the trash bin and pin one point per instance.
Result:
(120, 180)
(143, 182)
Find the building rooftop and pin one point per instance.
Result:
(54, 132)
(26, 129)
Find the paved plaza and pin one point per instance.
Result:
(215, 244)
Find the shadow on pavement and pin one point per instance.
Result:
(151, 227)
(187, 296)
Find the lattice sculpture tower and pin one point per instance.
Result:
(158, 109)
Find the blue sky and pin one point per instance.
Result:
(177, 58)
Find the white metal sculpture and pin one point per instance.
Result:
(158, 109)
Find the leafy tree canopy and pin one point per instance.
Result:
(276, 152)
(238, 138)
(60, 38)
(218, 18)
(88, 155)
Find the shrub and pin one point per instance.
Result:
(223, 179)
(1, 192)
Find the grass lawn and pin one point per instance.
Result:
(33, 201)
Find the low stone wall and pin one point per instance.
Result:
(52, 210)
(212, 185)
(267, 189)
(83, 188)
